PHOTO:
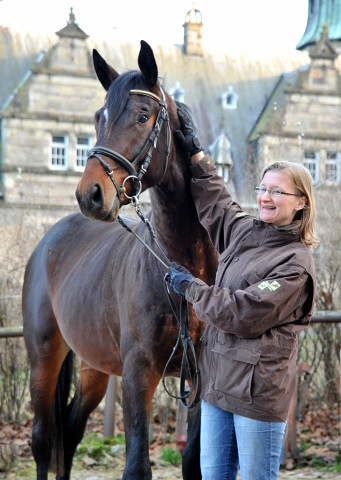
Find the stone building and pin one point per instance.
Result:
(47, 120)
(47, 123)
(192, 33)
(301, 122)
(248, 112)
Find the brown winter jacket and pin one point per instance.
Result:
(263, 296)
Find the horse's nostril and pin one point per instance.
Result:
(96, 198)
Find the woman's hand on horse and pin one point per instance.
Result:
(187, 136)
(179, 278)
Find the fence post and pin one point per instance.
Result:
(109, 408)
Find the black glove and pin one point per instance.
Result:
(179, 278)
(187, 136)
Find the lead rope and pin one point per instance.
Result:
(186, 364)
(181, 316)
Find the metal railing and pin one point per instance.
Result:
(326, 316)
(321, 316)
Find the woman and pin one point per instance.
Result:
(262, 297)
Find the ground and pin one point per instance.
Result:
(318, 438)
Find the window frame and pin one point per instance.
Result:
(336, 161)
(229, 99)
(223, 171)
(312, 161)
(80, 149)
(55, 145)
(177, 92)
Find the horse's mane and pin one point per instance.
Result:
(118, 93)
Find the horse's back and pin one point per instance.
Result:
(71, 238)
(49, 250)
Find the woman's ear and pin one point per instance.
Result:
(301, 204)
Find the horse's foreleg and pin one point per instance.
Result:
(44, 375)
(90, 390)
(139, 382)
(191, 454)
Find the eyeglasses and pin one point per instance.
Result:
(273, 192)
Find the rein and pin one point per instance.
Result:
(135, 176)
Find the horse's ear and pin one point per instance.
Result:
(147, 64)
(105, 73)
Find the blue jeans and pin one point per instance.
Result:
(228, 441)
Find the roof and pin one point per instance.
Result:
(270, 120)
(72, 30)
(271, 117)
(18, 52)
(324, 48)
(321, 12)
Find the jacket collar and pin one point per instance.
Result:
(271, 235)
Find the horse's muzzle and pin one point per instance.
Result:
(92, 204)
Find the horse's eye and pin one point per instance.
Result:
(143, 118)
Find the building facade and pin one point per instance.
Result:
(302, 120)
(248, 113)
(47, 123)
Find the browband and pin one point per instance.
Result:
(148, 94)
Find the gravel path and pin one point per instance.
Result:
(174, 473)
(164, 472)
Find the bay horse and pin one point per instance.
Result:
(93, 289)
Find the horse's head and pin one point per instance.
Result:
(134, 138)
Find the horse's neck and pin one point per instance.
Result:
(177, 225)
(174, 214)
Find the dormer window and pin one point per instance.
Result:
(229, 99)
(220, 151)
(177, 92)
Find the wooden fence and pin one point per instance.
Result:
(109, 410)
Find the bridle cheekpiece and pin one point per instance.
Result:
(143, 158)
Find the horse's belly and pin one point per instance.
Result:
(87, 331)
(100, 354)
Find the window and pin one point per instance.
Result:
(84, 144)
(311, 162)
(59, 152)
(333, 168)
(177, 92)
(320, 75)
(229, 99)
(223, 171)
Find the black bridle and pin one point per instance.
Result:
(135, 176)
(145, 155)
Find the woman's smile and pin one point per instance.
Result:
(279, 210)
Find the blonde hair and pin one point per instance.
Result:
(303, 182)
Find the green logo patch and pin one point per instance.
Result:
(271, 286)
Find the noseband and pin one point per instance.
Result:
(143, 158)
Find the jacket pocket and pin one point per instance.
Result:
(234, 371)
